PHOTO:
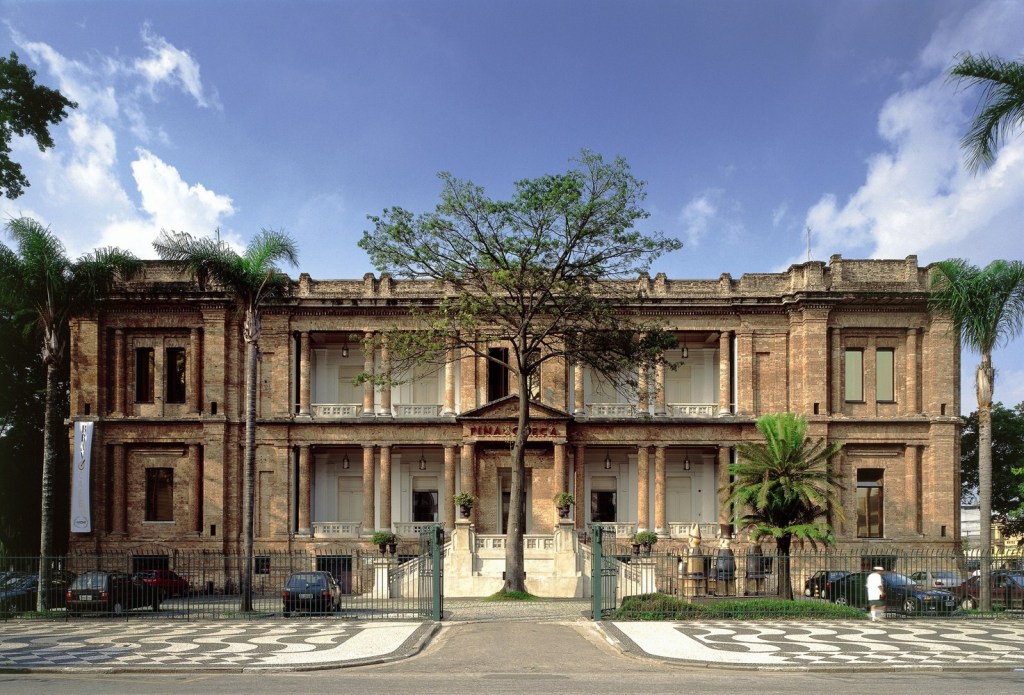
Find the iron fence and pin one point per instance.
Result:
(631, 582)
(154, 583)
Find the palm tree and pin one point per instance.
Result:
(1000, 109)
(987, 309)
(784, 487)
(45, 285)
(251, 278)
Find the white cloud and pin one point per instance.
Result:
(171, 65)
(917, 197)
(697, 217)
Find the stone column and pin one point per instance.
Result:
(836, 380)
(118, 508)
(660, 527)
(643, 405)
(368, 365)
(643, 502)
(724, 458)
(659, 389)
(911, 497)
(195, 371)
(368, 478)
(196, 465)
(561, 481)
(385, 390)
(913, 403)
(305, 369)
(305, 490)
(468, 481)
(449, 383)
(745, 372)
(120, 387)
(385, 486)
(579, 406)
(725, 373)
(447, 506)
(580, 484)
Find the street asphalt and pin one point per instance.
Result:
(147, 645)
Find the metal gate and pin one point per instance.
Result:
(603, 573)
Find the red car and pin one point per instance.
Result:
(168, 582)
(1007, 590)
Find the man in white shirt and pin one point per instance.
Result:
(876, 594)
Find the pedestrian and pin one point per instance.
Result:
(876, 594)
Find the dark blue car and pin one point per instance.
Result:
(902, 594)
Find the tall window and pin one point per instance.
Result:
(870, 499)
(497, 373)
(159, 494)
(885, 389)
(855, 375)
(144, 375)
(424, 498)
(175, 372)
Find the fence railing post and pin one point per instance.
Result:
(595, 572)
(437, 542)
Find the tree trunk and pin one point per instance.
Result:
(782, 548)
(515, 569)
(984, 384)
(248, 474)
(49, 465)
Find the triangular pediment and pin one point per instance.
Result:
(507, 408)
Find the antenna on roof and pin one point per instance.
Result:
(808, 243)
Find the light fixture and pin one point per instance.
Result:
(607, 461)
(686, 351)
(686, 463)
(344, 462)
(344, 350)
(423, 461)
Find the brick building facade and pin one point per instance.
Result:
(850, 344)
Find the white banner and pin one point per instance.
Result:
(81, 519)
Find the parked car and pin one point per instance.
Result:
(902, 594)
(169, 583)
(819, 582)
(938, 579)
(110, 592)
(19, 591)
(311, 591)
(1007, 590)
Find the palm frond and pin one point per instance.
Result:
(1000, 107)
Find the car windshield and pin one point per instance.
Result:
(1017, 579)
(303, 581)
(19, 581)
(90, 580)
(898, 580)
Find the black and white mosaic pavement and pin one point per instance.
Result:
(234, 645)
(891, 643)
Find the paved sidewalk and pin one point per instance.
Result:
(295, 645)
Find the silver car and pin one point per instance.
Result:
(937, 579)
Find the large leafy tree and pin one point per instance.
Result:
(986, 306)
(1007, 465)
(251, 278)
(45, 284)
(549, 273)
(26, 109)
(1000, 109)
(783, 489)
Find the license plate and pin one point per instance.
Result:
(306, 596)
(85, 597)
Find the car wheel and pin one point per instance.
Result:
(841, 601)
(807, 591)
(910, 606)
(968, 604)
(10, 608)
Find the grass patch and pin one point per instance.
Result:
(665, 607)
(504, 595)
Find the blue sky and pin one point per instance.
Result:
(750, 121)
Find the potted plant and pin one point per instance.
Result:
(382, 539)
(564, 500)
(645, 540)
(464, 501)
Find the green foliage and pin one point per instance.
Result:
(464, 499)
(564, 499)
(1000, 107)
(505, 595)
(1007, 465)
(26, 110)
(383, 537)
(666, 607)
(986, 304)
(783, 484)
(647, 538)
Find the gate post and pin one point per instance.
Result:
(437, 541)
(595, 572)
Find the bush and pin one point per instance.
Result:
(665, 607)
